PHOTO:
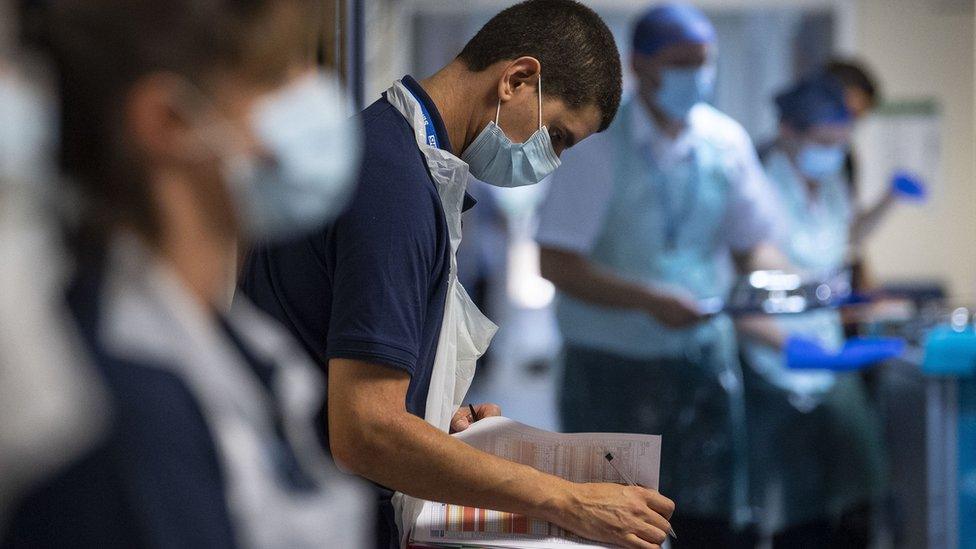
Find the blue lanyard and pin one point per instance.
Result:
(675, 217)
(428, 122)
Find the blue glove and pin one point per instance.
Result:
(908, 185)
(857, 353)
(854, 298)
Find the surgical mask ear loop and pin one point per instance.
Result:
(540, 100)
(498, 109)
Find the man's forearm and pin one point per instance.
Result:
(866, 221)
(372, 434)
(763, 256)
(579, 278)
(762, 329)
(411, 456)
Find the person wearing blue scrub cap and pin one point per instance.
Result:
(816, 444)
(636, 234)
(815, 126)
(673, 46)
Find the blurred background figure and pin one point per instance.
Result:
(815, 441)
(50, 403)
(862, 94)
(186, 126)
(639, 234)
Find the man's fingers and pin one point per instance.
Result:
(460, 422)
(488, 410)
(634, 541)
(652, 534)
(655, 519)
(659, 503)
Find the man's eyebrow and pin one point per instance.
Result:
(570, 138)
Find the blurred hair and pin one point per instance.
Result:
(577, 52)
(856, 75)
(668, 24)
(816, 100)
(102, 48)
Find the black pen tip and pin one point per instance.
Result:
(609, 456)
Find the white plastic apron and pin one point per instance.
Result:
(814, 237)
(148, 315)
(465, 331)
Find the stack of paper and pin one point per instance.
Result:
(575, 457)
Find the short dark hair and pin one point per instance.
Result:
(577, 52)
(856, 75)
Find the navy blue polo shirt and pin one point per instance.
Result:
(372, 285)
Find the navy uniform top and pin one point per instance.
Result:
(154, 481)
(372, 285)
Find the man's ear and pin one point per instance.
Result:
(518, 76)
(159, 128)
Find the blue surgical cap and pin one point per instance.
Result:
(669, 24)
(814, 101)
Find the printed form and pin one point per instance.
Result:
(576, 457)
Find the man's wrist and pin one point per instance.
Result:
(650, 301)
(554, 499)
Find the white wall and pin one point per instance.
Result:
(925, 49)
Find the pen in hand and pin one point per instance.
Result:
(630, 481)
(474, 416)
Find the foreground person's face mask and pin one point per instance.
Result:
(305, 172)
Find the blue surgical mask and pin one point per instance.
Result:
(820, 161)
(494, 159)
(306, 172)
(683, 88)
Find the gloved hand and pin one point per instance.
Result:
(853, 298)
(908, 186)
(857, 353)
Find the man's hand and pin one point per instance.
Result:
(674, 310)
(463, 418)
(372, 434)
(629, 516)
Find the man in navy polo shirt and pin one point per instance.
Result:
(374, 297)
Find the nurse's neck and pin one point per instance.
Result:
(196, 244)
(667, 125)
(462, 98)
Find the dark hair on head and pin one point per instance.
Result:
(579, 58)
(856, 75)
(815, 100)
(100, 49)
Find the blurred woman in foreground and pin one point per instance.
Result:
(186, 126)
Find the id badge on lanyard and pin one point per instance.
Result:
(428, 122)
(676, 214)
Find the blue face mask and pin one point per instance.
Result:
(305, 174)
(682, 89)
(820, 161)
(494, 159)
